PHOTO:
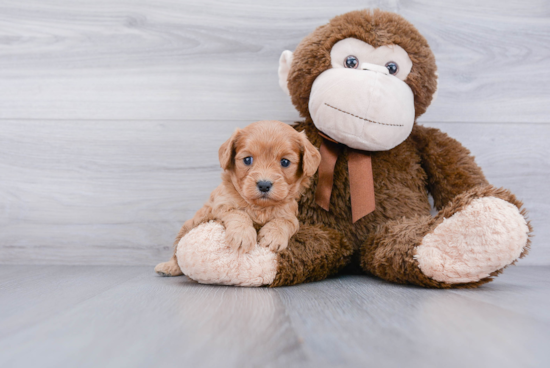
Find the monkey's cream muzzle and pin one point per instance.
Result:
(365, 109)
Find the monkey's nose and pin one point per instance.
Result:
(264, 186)
(375, 68)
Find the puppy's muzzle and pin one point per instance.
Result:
(264, 186)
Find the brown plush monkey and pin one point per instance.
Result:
(360, 82)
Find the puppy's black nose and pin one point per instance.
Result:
(264, 186)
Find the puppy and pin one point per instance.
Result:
(266, 167)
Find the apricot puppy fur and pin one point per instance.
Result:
(266, 167)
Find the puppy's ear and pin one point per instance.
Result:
(227, 150)
(311, 156)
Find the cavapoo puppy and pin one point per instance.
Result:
(266, 167)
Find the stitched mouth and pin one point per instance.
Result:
(365, 119)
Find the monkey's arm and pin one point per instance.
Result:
(452, 171)
(450, 167)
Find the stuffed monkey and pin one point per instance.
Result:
(360, 82)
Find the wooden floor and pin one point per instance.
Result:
(108, 316)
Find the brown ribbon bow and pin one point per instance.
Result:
(360, 178)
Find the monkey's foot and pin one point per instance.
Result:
(483, 237)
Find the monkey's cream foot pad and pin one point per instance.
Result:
(204, 256)
(484, 237)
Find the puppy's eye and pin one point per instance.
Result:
(351, 62)
(392, 67)
(285, 162)
(248, 160)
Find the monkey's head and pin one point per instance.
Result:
(362, 79)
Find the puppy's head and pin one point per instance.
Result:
(269, 162)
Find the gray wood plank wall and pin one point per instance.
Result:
(112, 111)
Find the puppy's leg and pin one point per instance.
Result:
(239, 231)
(277, 232)
(171, 268)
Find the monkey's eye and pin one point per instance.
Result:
(392, 66)
(248, 160)
(285, 162)
(351, 62)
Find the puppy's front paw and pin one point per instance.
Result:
(272, 238)
(241, 239)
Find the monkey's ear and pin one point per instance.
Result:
(311, 158)
(284, 68)
(227, 150)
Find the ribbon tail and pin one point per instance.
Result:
(361, 184)
(329, 154)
